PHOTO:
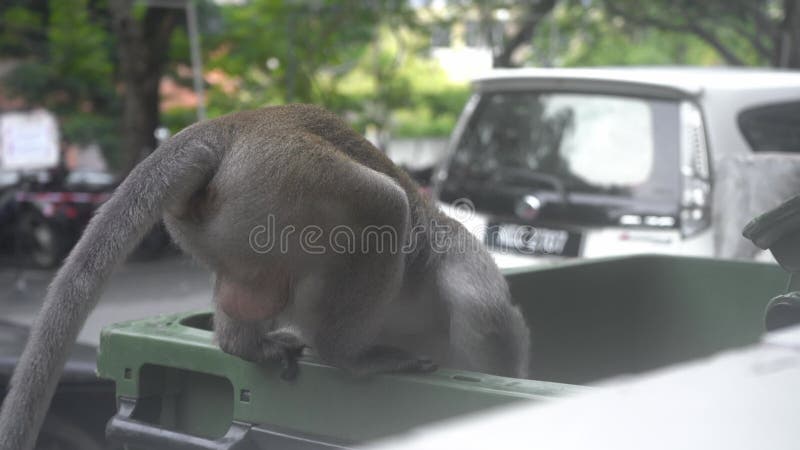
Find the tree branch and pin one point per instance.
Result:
(691, 27)
(754, 39)
(764, 26)
(525, 32)
(787, 46)
(747, 18)
(713, 41)
(644, 21)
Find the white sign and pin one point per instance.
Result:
(28, 140)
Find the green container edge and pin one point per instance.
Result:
(323, 400)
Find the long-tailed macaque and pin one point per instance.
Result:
(315, 238)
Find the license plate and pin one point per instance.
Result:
(532, 240)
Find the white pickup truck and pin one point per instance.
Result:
(553, 163)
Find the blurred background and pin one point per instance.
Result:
(554, 129)
(114, 72)
(89, 88)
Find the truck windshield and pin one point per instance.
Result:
(592, 143)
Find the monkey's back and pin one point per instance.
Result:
(316, 171)
(301, 151)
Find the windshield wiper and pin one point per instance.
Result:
(515, 174)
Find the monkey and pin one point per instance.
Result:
(223, 188)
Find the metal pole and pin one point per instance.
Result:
(197, 61)
(291, 68)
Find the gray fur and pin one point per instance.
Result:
(368, 312)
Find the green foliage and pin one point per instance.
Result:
(139, 10)
(740, 32)
(31, 81)
(75, 68)
(421, 121)
(67, 69)
(177, 119)
(179, 48)
(366, 60)
(577, 34)
(294, 51)
(77, 46)
(20, 28)
(92, 128)
(433, 109)
(396, 87)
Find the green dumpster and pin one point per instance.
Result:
(590, 320)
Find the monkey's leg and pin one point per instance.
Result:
(258, 342)
(351, 312)
(487, 333)
(350, 346)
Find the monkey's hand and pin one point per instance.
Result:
(285, 347)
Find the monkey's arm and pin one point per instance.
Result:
(170, 174)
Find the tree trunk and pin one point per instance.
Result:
(524, 33)
(776, 40)
(787, 45)
(142, 45)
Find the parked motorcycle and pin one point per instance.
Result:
(42, 213)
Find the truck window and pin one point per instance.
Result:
(593, 143)
(772, 128)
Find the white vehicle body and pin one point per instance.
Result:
(710, 104)
(736, 400)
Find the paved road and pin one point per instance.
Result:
(136, 290)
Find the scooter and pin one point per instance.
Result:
(44, 212)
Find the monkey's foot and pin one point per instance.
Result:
(381, 358)
(284, 347)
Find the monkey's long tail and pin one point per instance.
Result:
(174, 171)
